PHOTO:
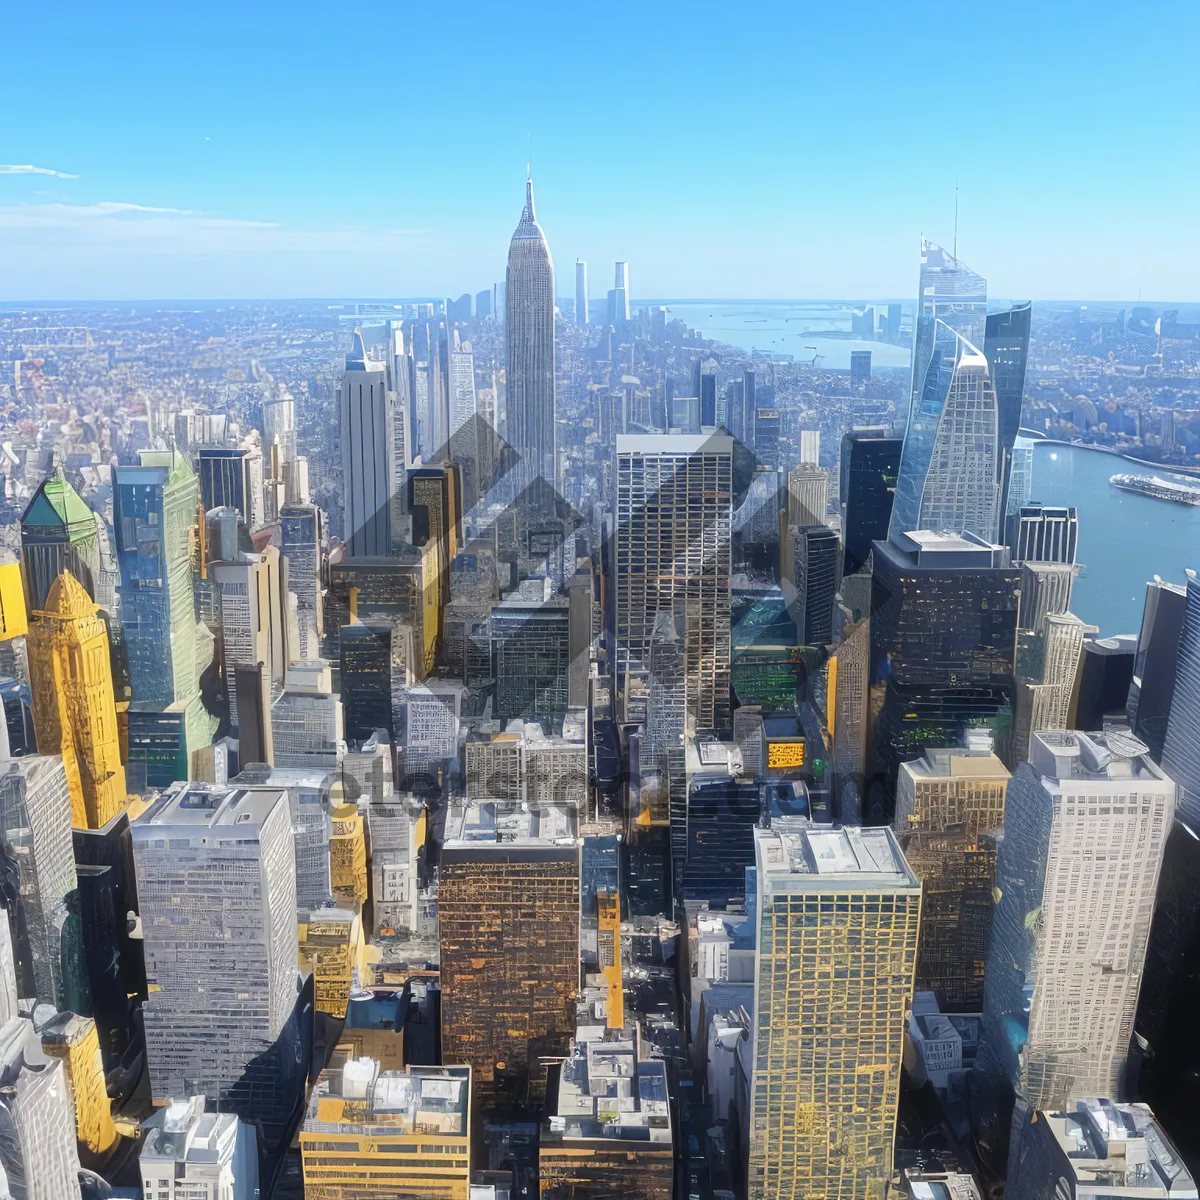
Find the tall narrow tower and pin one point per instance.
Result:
(529, 299)
(581, 292)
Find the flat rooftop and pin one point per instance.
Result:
(674, 443)
(948, 762)
(425, 1100)
(1111, 755)
(212, 806)
(824, 858)
(479, 823)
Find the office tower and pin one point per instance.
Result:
(893, 322)
(245, 607)
(459, 310)
(1043, 699)
(1102, 685)
(531, 654)
(581, 292)
(302, 532)
(580, 607)
(611, 1133)
(58, 533)
(943, 648)
(1181, 747)
(810, 447)
(708, 400)
(870, 462)
(73, 708)
(621, 295)
(815, 560)
(216, 874)
(435, 502)
(950, 324)
(307, 727)
(948, 802)
(1046, 588)
(396, 825)
(848, 677)
(154, 505)
(508, 917)
(1006, 345)
(39, 1159)
(232, 477)
(347, 855)
(483, 304)
(674, 519)
(279, 423)
(462, 385)
(426, 718)
(749, 406)
(366, 670)
(1155, 664)
(37, 840)
(767, 423)
(825, 1058)
(860, 367)
(72, 1039)
(1095, 1147)
(958, 449)
(367, 1131)
(735, 409)
(1043, 534)
(366, 425)
(529, 297)
(1019, 485)
(1085, 824)
(808, 495)
(187, 1152)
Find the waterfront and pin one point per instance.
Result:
(777, 327)
(1125, 539)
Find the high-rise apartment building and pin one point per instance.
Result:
(1085, 826)
(365, 409)
(674, 520)
(35, 807)
(832, 907)
(187, 1152)
(302, 532)
(508, 918)
(529, 297)
(948, 803)
(216, 871)
(951, 307)
(581, 292)
(73, 707)
(370, 1131)
(867, 485)
(1181, 747)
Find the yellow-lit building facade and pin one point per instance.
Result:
(348, 855)
(836, 945)
(74, 713)
(371, 1132)
(73, 1039)
(332, 947)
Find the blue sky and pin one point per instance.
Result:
(754, 149)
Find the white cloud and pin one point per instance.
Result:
(26, 169)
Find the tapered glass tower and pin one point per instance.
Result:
(529, 296)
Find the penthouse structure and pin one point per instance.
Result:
(216, 874)
(837, 915)
(508, 913)
(1085, 827)
(187, 1152)
(370, 1131)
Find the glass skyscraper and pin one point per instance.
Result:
(952, 304)
(1006, 344)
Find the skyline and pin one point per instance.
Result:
(406, 180)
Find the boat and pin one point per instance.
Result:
(1157, 487)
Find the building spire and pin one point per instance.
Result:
(529, 196)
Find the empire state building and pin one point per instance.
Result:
(529, 294)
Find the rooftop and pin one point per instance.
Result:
(508, 822)
(358, 1096)
(1111, 1146)
(806, 858)
(213, 806)
(184, 1133)
(1110, 755)
(674, 443)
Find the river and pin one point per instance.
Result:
(1124, 539)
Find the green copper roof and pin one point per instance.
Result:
(56, 502)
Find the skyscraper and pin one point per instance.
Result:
(581, 292)
(830, 907)
(860, 366)
(508, 916)
(953, 296)
(58, 533)
(365, 412)
(73, 707)
(1156, 662)
(808, 495)
(231, 476)
(1044, 534)
(1043, 700)
(1085, 826)
(529, 297)
(1181, 748)
(216, 873)
(674, 519)
(815, 559)
(301, 529)
(1006, 344)
(870, 462)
